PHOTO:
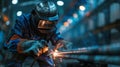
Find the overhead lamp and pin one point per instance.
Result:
(82, 8)
(60, 3)
(14, 1)
(19, 13)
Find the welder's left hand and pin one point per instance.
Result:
(62, 43)
(32, 46)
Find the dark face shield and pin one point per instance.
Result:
(45, 16)
(45, 26)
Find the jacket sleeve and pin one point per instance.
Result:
(56, 38)
(15, 36)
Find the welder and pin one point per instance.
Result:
(32, 33)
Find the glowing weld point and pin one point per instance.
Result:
(55, 53)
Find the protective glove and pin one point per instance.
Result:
(32, 46)
(64, 44)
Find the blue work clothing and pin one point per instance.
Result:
(24, 29)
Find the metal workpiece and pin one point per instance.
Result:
(107, 54)
(94, 58)
(96, 50)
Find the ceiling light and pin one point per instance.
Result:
(19, 13)
(82, 8)
(14, 1)
(60, 3)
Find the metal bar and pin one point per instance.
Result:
(96, 59)
(96, 50)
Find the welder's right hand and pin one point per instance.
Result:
(29, 46)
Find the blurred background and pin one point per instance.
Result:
(85, 23)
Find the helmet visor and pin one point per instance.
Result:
(45, 26)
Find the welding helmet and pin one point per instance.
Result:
(45, 16)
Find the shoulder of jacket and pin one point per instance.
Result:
(24, 17)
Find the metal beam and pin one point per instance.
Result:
(116, 24)
(95, 59)
(113, 49)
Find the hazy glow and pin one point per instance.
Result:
(19, 13)
(60, 3)
(66, 24)
(62, 28)
(14, 1)
(70, 20)
(82, 8)
(75, 15)
(8, 23)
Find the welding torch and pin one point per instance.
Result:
(49, 51)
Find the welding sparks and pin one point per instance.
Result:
(55, 53)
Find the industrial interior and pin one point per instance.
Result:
(91, 26)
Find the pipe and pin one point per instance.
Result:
(96, 50)
(96, 59)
